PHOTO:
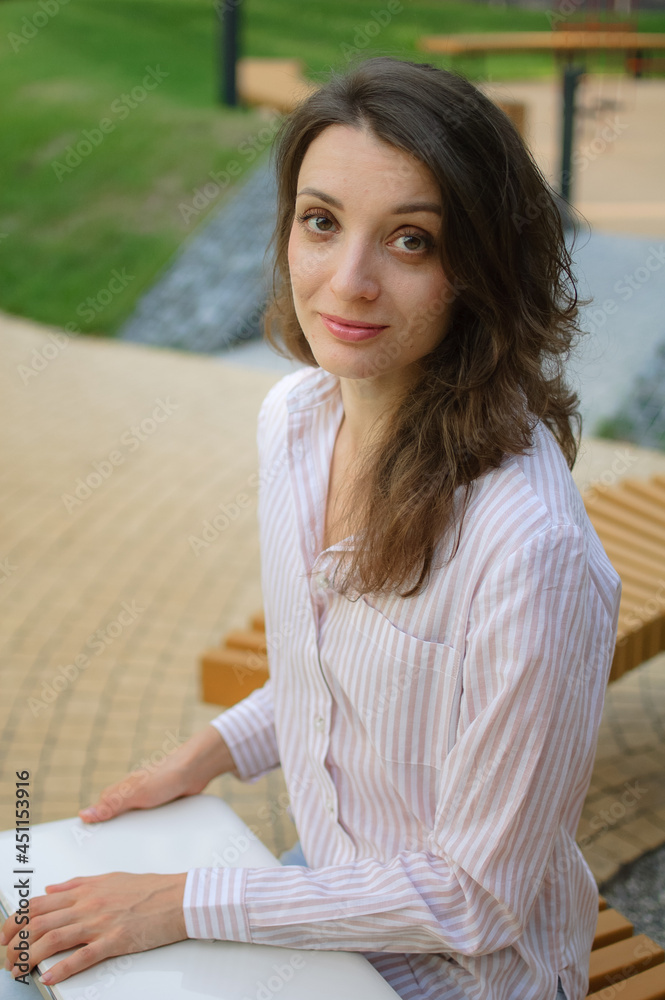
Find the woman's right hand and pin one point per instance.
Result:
(186, 771)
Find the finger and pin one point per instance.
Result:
(38, 906)
(54, 941)
(116, 799)
(57, 898)
(72, 883)
(83, 958)
(40, 926)
(9, 929)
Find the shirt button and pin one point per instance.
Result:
(319, 723)
(324, 582)
(330, 806)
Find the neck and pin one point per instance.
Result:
(368, 405)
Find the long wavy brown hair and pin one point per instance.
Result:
(499, 369)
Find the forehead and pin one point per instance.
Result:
(354, 161)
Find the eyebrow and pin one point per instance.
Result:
(408, 209)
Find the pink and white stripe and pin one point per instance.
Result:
(437, 749)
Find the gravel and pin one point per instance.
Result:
(214, 292)
(638, 891)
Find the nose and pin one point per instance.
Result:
(354, 271)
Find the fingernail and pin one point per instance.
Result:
(90, 812)
(46, 978)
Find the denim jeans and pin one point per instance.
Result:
(294, 856)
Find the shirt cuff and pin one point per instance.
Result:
(248, 730)
(213, 904)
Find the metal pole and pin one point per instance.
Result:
(571, 78)
(227, 12)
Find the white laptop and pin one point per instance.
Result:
(198, 832)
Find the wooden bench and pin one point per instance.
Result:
(273, 83)
(564, 41)
(280, 84)
(234, 669)
(622, 965)
(629, 518)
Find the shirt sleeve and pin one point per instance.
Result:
(249, 732)
(529, 718)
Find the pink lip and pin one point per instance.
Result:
(350, 329)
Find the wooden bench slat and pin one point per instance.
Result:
(229, 675)
(607, 528)
(649, 985)
(258, 621)
(632, 502)
(637, 595)
(247, 639)
(625, 555)
(605, 508)
(612, 926)
(646, 488)
(602, 903)
(609, 966)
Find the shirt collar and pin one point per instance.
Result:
(315, 388)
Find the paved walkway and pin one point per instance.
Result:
(116, 455)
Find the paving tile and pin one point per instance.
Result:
(618, 847)
(602, 863)
(644, 832)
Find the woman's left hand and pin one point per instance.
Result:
(108, 915)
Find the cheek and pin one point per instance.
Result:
(308, 265)
(426, 308)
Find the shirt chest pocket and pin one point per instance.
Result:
(404, 690)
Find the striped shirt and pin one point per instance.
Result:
(437, 749)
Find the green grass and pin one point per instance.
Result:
(120, 208)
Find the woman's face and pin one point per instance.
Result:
(364, 249)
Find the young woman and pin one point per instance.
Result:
(441, 615)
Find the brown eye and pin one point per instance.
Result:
(322, 224)
(415, 242)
